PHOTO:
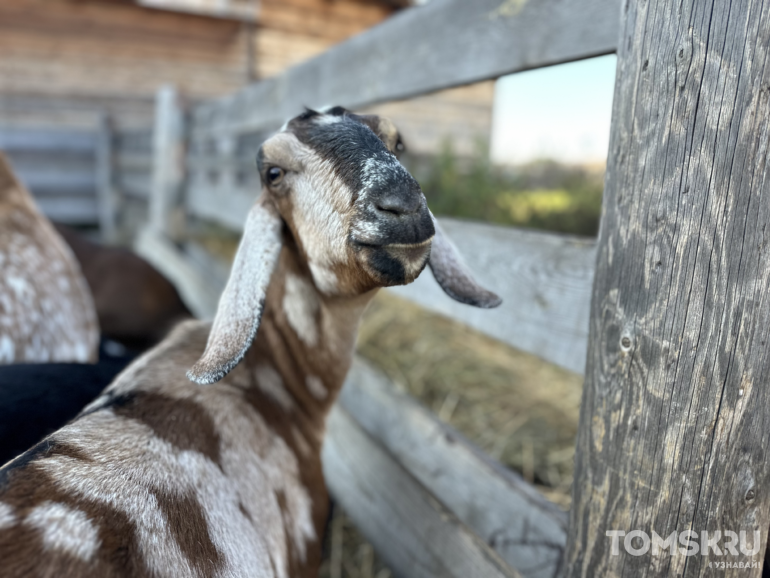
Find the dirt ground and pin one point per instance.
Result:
(518, 408)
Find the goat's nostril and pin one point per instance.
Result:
(397, 204)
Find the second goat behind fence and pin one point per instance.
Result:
(164, 477)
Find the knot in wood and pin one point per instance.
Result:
(625, 343)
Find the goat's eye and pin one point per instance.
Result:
(274, 175)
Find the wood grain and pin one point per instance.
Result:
(524, 528)
(455, 42)
(674, 422)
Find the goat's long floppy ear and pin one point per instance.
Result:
(453, 275)
(240, 306)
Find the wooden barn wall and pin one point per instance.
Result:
(61, 60)
(115, 49)
(461, 115)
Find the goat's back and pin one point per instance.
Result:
(161, 477)
(46, 310)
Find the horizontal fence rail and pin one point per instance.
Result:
(455, 42)
(81, 177)
(518, 523)
(414, 533)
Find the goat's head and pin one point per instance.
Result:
(332, 182)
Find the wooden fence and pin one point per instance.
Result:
(668, 307)
(83, 176)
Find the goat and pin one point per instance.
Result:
(36, 399)
(163, 477)
(46, 311)
(136, 305)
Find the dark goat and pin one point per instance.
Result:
(136, 305)
(39, 398)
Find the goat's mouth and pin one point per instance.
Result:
(395, 263)
(410, 252)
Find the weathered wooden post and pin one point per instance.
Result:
(168, 162)
(107, 196)
(675, 422)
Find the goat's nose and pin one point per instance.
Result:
(398, 203)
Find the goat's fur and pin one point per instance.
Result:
(46, 310)
(162, 477)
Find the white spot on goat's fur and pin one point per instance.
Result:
(378, 170)
(299, 439)
(326, 119)
(20, 288)
(7, 517)
(7, 349)
(301, 306)
(65, 529)
(271, 384)
(316, 387)
(324, 278)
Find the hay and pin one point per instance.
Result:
(519, 409)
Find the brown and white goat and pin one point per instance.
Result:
(46, 310)
(162, 477)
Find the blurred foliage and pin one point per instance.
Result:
(543, 195)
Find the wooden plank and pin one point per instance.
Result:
(109, 203)
(412, 531)
(225, 205)
(27, 139)
(455, 42)
(544, 280)
(243, 10)
(133, 161)
(70, 210)
(673, 431)
(199, 291)
(134, 184)
(524, 528)
(168, 169)
(44, 182)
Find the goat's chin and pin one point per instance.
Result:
(397, 263)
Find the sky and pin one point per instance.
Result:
(560, 112)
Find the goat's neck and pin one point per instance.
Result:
(307, 338)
